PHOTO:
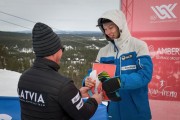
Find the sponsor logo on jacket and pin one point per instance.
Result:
(32, 97)
(129, 67)
(126, 57)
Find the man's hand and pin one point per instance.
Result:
(98, 97)
(89, 82)
(111, 87)
(84, 91)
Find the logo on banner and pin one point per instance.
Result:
(164, 53)
(165, 84)
(164, 11)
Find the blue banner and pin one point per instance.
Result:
(9, 108)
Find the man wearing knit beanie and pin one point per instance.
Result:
(46, 94)
(45, 41)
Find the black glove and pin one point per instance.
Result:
(110, 86)
(114, 96)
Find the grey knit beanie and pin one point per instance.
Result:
(45, 41)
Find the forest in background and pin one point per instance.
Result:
(81, 49)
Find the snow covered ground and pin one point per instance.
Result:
(8, 83)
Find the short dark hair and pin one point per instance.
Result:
(101, 21)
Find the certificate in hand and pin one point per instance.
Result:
(97, 68)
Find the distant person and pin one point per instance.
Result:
(128, 90)
(46, 94)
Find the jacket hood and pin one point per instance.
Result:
(119, 19)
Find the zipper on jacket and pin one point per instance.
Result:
(115, 49)
(120, 65)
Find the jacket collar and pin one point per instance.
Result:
(44, 63)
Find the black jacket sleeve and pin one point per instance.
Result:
(71, 101)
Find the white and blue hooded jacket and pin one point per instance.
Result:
(134, 67)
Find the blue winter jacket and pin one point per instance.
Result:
(134, 67)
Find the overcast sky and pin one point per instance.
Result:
(74, 15)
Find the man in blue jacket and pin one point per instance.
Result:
(128, 91)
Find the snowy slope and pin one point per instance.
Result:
(8, 82)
